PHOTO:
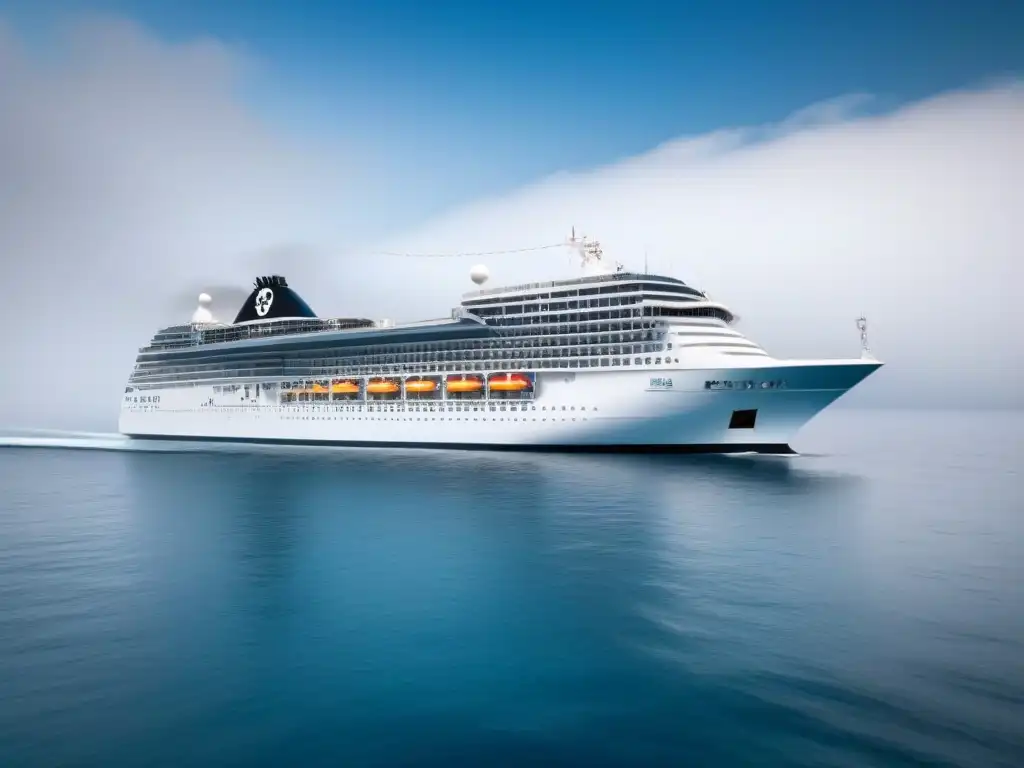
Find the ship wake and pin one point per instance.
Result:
(91, 441)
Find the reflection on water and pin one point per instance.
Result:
(413, 607)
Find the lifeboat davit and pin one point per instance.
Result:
(343, 387)
(420, 385)
(509, 382)
(382, 387)
(463, 384)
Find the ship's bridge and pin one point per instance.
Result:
(617, 295)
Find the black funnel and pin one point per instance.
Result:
(272, 299)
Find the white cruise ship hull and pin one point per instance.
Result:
(592, 410)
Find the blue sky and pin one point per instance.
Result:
(484, 97)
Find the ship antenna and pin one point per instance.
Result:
(589, 250)
(577, 244)
(862, 326)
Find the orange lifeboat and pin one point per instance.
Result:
(508, 382)
(382, 387)
(420, 385)
(344, 387)
(463, 384)
(319, 386)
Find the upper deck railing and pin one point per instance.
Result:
(196, 334)
(200, 334)
(613, 277)
(221, 334)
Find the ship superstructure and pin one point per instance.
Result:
(612, 360)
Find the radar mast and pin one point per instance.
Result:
(862, 326)
(590, 253)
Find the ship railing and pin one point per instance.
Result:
(615, 277)
(222, 334)
(419, 323)
(219, 333)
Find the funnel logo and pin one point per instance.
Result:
(263, 301)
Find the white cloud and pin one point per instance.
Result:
(132, 176)
(131, 173)
(911, 217)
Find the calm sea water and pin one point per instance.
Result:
(860, 605)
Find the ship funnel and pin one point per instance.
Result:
(272, 299)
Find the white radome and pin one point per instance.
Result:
(202, 313)
(479, 274)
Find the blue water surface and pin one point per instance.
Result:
(862, 604)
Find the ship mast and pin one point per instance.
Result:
(862, 326)
(590, 253)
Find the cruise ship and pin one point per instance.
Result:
(611, 360)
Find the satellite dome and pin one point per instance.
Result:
(202, 313)
(479, 274)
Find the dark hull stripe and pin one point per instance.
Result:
(772, 448)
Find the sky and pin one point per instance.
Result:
(803, 162)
